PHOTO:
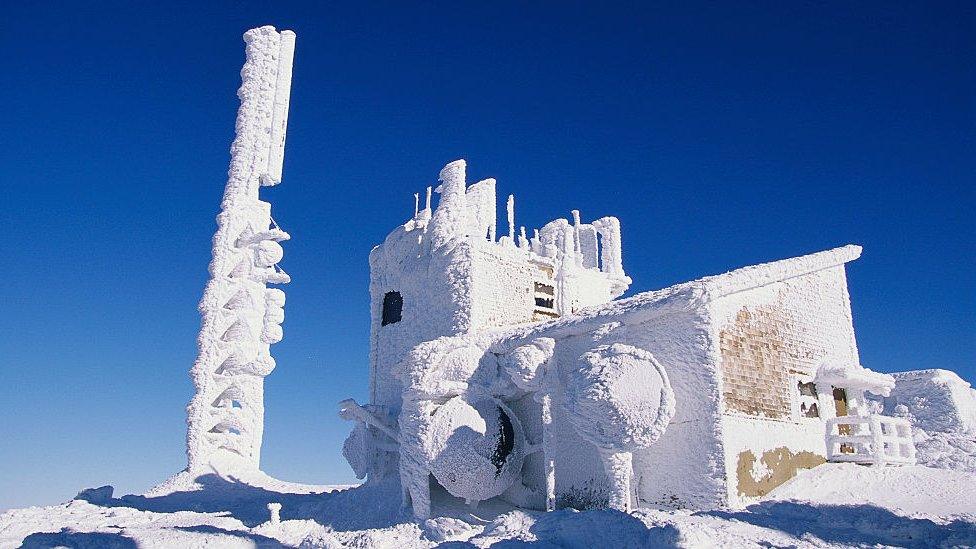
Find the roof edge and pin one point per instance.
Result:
(764, 274)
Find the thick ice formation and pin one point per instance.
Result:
(854, 377)
(241, 316)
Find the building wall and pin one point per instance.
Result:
(502, 285)
(435, 303)
(585, 288)
(769, 339)
(684, 467)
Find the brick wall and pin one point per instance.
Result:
(770, 335)
(759, 350)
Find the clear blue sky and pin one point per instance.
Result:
(720, 136)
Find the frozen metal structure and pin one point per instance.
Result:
(241, 315)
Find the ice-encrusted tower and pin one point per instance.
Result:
(241, 316)
(444, 272)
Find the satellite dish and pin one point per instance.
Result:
(475, 451)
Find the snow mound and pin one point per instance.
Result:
(909, 490)
(956, 451)
(941, 407)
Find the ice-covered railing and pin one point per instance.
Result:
(872, 439)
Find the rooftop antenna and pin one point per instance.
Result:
(511, 217)
(577, 248)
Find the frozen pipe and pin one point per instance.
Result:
(620, 469)
(279, 121)
(511, 217)
(274, 511)
(610, 256)
(548, 451)
(577, 255)
(448, 220)
(416, 204)
(427, 206)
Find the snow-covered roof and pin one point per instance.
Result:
(932, 374)
(687, 295)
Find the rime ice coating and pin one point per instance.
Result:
(241, 316)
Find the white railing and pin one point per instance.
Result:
(870, 439)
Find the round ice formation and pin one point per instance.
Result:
(475, 450)
(619, 398)
(267, 253)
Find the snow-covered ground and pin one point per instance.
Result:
(835, 505)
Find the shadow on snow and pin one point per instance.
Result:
(361, 508)
(78, 540)
(378, 506)
(853, 524)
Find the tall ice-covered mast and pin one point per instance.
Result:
(241, 316)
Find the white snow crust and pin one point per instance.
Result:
(941, 407)
(835, 505)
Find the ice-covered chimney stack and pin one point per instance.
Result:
(448, 221)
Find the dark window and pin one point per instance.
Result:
(544, 302)
(808, 399)
(807, 389)
(392, 307)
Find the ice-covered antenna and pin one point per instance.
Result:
(429, 190)
(241, 316)
(576, 232)
(416, 204)
(511, 217)
(279, 120)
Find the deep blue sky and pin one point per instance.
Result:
(720, 135)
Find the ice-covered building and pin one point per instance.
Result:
(504, 368)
